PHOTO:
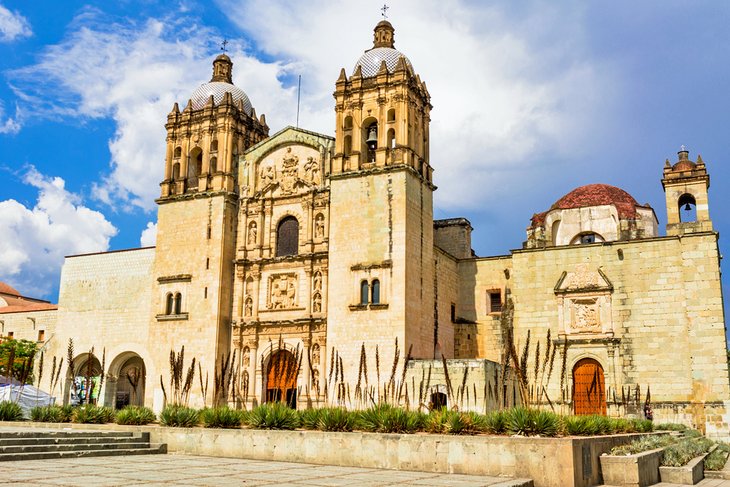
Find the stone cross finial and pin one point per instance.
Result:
(682, 148)
(224, 44)
(384, 11)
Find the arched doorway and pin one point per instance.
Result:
(589, 387)
(85, 384)
(126, 385)
(281, 378)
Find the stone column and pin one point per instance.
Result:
(305, 382)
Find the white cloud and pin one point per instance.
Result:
(134, 74)
(149, 235)
(13, 25)
(35, 240)
(9, 125)
(506, 88)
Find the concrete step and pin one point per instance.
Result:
(72, 447)
(152, 450)
(72, 440)
(63, 434)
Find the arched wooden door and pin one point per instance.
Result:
(589, 387)
(281, 378)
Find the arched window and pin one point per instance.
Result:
(213, 164)
(178, 303)
(176, 171)
(214, 146)
(375, 291)
(586, 238)
(687, 208)
(348, 145)
(168, 304)
(287, 237)
(364, 292)
(391, 115)
(348, 123)
(555, 228)
(178, 152)
(391, 138)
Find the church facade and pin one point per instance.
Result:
(306, 252)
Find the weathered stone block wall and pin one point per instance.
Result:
(104, 302)
(25, 325)
(446, 294)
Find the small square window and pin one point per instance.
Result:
(495, 301)
(41, 335)
(10, 334)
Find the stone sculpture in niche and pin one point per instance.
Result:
(252, 233)
(317, 281)
(283, 292)
(248, 307)
(319, 226)
(315, 355)
(246, 357)
(317, 303)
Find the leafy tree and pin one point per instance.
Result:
(24, 350)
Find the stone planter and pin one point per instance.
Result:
(688, 474)
(638, 470)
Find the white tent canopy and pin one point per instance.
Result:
(27, 397)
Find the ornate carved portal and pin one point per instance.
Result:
(584, 302)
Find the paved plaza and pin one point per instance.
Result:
(209, 471)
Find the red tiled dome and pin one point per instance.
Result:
(593, 195)
(7, 289)
(684, 166)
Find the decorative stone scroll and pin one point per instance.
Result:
(282, 291)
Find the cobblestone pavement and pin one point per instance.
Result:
(199, 471)
(702, 483)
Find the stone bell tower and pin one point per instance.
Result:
(196, 220)
(685, 186)
(381, 192)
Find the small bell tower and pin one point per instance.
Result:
(685, 186)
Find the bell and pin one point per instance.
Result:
(372, 136)
(687, 207)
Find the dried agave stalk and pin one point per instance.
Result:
(405, 370)
(449, 389)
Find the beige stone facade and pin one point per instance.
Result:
(323, 251)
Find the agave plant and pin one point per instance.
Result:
(274, 416)
(136, 415)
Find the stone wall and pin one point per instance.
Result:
(104, 302)
(29, 325)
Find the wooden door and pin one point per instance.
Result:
(281, 379)
(589, 388)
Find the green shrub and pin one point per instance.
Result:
(495, 423)
(179, 417)
(644, 444)
(531, 422)
(135, 415)
(336, 419)
(273, 416)
(91, 414)
(454, 422)
(222, 417)
(309, 418)
(52, 414)
(680, 453)
(389, 419)
(670, 427)
(717, 459)
(10, 411)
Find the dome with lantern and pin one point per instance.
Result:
(383, 50)
(220, 84)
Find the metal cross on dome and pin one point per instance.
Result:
(223, 45)
(384, 11)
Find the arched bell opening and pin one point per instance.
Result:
(370, 138)
(687, 206)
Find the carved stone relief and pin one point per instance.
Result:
(319, 226)
(585, 315)
(584, 302)
(311, 170)
(282, 291)
(289, 172)
(252, 233)
(246, 357)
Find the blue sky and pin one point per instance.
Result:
(531, 99)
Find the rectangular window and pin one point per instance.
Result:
(10, 334)
(205, 293)
(453, 312)
(495, 301)
(41, 335)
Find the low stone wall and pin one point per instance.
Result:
(550, 462)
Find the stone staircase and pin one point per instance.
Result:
(38, 445)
